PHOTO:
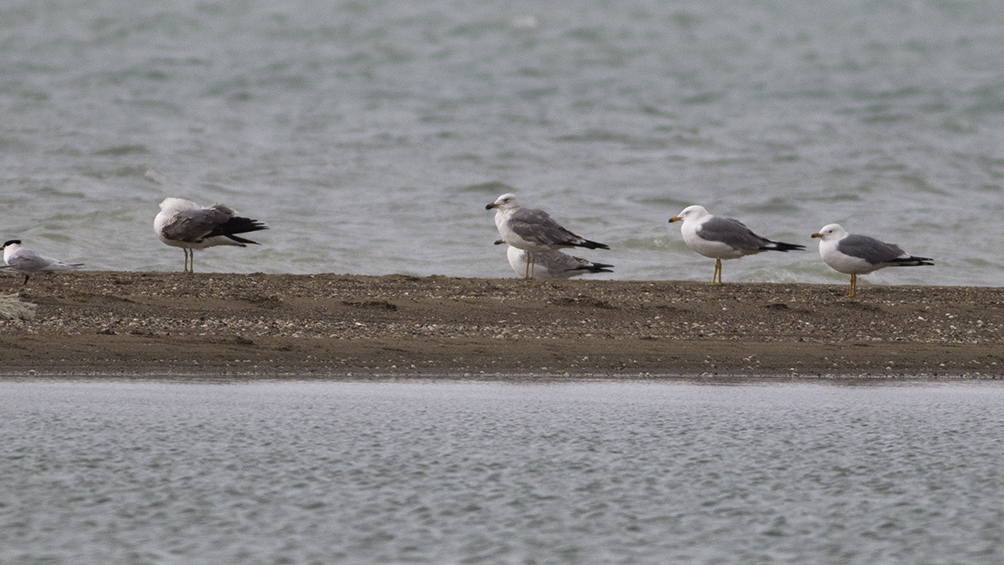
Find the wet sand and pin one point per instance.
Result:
(163, 324)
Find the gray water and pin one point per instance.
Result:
(370, 135)
(581, 472)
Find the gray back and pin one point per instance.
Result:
(731, 232)
(193, 225)
(869, 249)
(538, 227)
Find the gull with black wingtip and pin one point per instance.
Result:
(185, 224)
(854, 254)
(723, 238)
(533, 230)
(552, 264)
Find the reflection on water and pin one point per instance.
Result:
(634, 472)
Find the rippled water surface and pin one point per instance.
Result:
(370, 135)
(587, 472)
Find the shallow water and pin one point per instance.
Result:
(370, 135)
(446, 472)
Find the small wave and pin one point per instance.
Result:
(491, 187)
(139, 172)
(120, 150)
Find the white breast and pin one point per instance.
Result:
(843, 263)
(713, 249)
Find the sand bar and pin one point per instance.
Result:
(163, 324)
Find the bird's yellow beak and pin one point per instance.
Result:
(490, 206)
(817, 234)
(675, 219)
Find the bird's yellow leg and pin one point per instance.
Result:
(854, 285)
(717, 277)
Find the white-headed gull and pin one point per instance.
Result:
(533, 230)
(855, 255)
(723, 238)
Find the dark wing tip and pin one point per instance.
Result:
(236, 225)
(600, 268)
(785, 247)
(592, 245)
(240, 240)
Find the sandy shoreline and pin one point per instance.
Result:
(130, 324)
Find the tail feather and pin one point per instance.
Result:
(911, 261)
(785, 247)
(596, 268)
(241, 240)
(235, 225)
(591, 244)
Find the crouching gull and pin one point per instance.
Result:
(185, 224)
(552, 264)
(723, 238)
(533, 230)
(23, 261)
(855, 255)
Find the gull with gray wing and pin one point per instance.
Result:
(855, 255)
(185, 224)
(723, 238)
(551, 264)
(533, 230)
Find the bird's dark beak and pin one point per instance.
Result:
(499, 241)
(817, 234)
(490, 206)
(675, 219)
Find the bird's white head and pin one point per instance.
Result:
(694, 212)
(11, 243)
(504, 202)
(177, 204)
(830, 232)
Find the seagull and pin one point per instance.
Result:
(723, 238)
(533, 230)
(855, 255)
(185, 224)
(26, 262)
(552, 264)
